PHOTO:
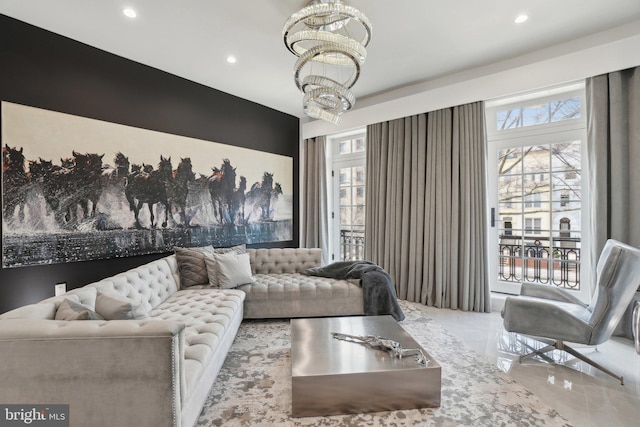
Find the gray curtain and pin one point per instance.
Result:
(315, 216)
(613, 146)
(425, 208)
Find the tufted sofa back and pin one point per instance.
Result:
(288, 260)
(150, 284)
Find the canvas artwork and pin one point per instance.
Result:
(76, 189)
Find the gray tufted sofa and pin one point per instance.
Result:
(157, 371)
(281, 290)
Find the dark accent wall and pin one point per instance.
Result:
(45, 70)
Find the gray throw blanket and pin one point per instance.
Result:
(379, 294)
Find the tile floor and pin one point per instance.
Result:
(582, 394)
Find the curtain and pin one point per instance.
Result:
(315, 217)
(613, 146)
(425, 206)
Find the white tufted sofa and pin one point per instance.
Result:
(157, 371)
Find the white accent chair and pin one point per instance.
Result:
(548, 312)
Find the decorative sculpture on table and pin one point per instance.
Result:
(392, 347)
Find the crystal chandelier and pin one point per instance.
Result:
(330, 40)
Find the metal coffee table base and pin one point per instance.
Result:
(331, 376)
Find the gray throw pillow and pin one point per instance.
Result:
(212, 265)
(233, 270)
(193, 270)
(115, 306)
(71, 310)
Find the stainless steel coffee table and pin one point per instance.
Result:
(330, 376)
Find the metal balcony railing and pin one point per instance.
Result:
(351, 245)
(521, 259)
(539, 260)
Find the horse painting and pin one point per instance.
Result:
(100, 207)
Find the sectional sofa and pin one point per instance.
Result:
(155, 367)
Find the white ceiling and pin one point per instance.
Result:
(414, 40)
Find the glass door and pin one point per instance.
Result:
(352, 214)
(349, 186)
(537, 193)
(537, 215)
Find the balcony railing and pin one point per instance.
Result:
(535, 259)
(351, 245)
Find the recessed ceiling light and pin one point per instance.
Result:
(231, 59)
(521, 18)
(130, 13)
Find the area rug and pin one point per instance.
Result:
(254, 385)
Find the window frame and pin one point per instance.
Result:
(337, 161)
(566, 91)
(541, 134)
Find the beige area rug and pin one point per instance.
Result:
(254, 385)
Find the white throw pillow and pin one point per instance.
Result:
(212, 264)
(233, 270)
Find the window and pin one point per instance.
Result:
(533, 200)
(535, 163)
(349, 188)
(352, 145)
(533, 225)
(530, 114)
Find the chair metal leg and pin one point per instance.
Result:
(540, 353)
(560, 345)
(585, 359)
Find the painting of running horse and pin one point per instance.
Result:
(77, 189)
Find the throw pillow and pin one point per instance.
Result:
(85, 296)
(233, 269)
(212, 265)
(71, 310)
(193, 270)
(212, 270)
(115, 306)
